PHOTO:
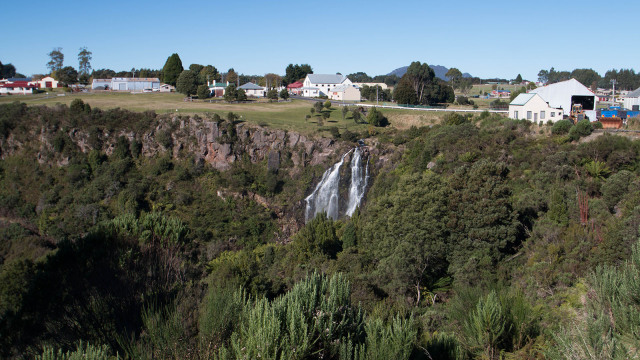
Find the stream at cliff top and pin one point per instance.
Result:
(326, 195)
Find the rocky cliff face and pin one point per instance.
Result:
(218, 143)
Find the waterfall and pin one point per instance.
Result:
(359, 181)
(326, 195)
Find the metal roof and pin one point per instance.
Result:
(635, 93)
(522, 99)
(251, 86)
(326, 78)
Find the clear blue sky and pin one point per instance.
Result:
(484, 38)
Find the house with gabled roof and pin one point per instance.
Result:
(315, 85)
(532, 107)
(252, 89)
(217, 88)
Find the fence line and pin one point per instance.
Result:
(414, 107)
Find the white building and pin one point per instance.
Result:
(126, 84)
(565, 94)
(46, 82)
(345, 93)
(252, 89)
(632, 99)
(321, 84)
(16, 87)
(533, 108)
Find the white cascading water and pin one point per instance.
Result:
(326, 195)
(358, 181)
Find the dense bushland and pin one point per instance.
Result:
(479, 239)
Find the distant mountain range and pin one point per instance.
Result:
(438, 69)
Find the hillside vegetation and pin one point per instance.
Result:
(479, 239)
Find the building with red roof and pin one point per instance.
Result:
(295, 88)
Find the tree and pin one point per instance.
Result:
(208, 73)
(345, 110)
(272, 80)
(356, 115)
(318, 106)
(57, 59)
(84, 61)
(413, 251)
(586, 76)
(481, 220)
(230, 93)
(454, 75)
(327, 104)
(518, 79)
(67, 75)
(7, 71)
(543, 76)
(203, 92)
(241, 95)
(465, 86)
(196, 68)
(404, 93)
(284, 94)
(419, 76)
(103, 74)
(376, 118)
(231, 76)
(296, 72)
(187, 83)
(359, 77)
(172, 69)
(272, 94)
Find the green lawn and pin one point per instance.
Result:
(285, 115)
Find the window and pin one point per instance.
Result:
(535, 117)
(515, 114)
(553, 114)
(542, 115)
(528, 115)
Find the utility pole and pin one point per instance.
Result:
(377, 87)
(613, 95)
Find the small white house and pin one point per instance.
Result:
(47, 82)
(253, 90)
(532, 107)
(345, 93)
(321, 84)
(565, 94)
(632, 99)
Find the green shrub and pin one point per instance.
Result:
(561, 127)
(581, 129)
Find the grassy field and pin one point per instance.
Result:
(285, 115)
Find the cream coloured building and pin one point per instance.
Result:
(532, 107)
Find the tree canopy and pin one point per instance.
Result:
(296, 72)
(172, 69)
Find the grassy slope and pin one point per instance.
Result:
(288, 115)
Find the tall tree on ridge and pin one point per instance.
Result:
(172, 69)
